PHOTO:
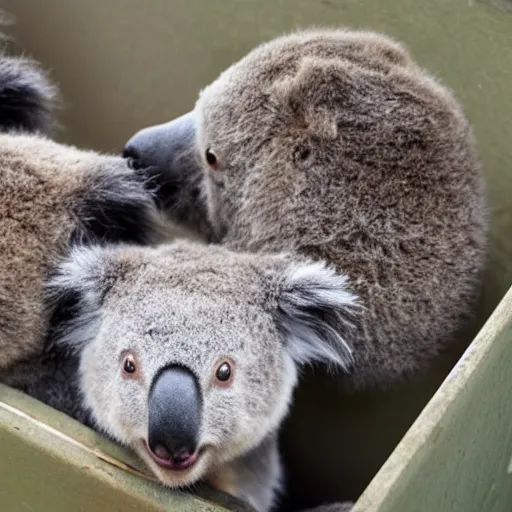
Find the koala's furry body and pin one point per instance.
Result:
(336, 145)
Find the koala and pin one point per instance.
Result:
(336, 145)
(189, 353)
(52, 197)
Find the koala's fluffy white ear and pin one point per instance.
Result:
(316, 312)
(74, 295)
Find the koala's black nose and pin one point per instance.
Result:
(174, 425)
(133, 157)
(162, 146)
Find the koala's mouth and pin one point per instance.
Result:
(176, 463)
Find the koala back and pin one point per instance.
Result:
(345, 150)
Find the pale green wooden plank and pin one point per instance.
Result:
(457, 457)
(50, 463)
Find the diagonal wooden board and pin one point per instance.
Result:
(457, 456)
(48, 462)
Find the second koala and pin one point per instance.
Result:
(336, 145)
(189, 354)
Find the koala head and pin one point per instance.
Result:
(310, 115)
(188, 353)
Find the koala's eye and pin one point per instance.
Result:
(129, 365)
(211, 158)
(223, 373)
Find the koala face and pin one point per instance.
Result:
(189, 354)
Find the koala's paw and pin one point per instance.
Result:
(27, 98)
(346, 506)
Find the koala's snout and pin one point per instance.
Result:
(162, 147)
(174, 423)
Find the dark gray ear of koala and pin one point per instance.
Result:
(74, 295)
(27, 98)
(316, 312)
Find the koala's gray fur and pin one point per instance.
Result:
(28, 99)
(336, 145)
